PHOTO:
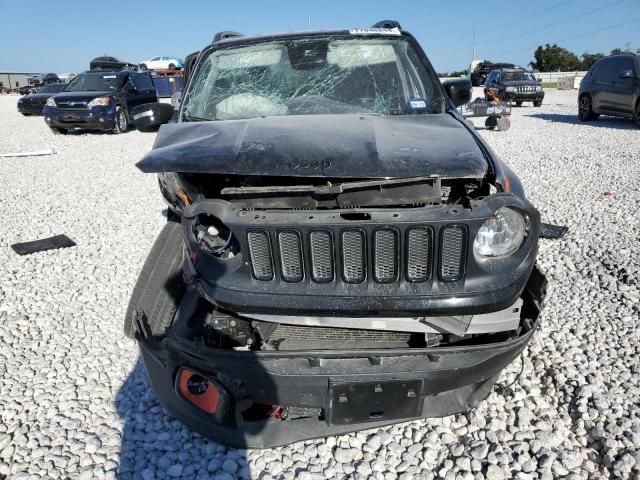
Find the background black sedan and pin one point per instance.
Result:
(33, 104)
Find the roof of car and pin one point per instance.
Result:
(307, 33)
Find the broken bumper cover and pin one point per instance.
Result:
(433, 382)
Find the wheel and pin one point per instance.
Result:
(518, 103)
(537, 103)
(59, 131)
(172, 66)
(585, 109)
(490, 123)
(143, 67)
(122, 121)
(26, 114)
(503, 124)
(636, 115)
(160, 287)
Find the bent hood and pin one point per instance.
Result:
(347, 146)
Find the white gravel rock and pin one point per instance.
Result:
(76, 402)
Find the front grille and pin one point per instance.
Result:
(419, 254)
(453, 252)
(354, 268)
(290, 256)
(384, 255)
(525, 88)
(322, 269)
(385, 258)
(79, 105)
(260, 252)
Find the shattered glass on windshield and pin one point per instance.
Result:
(327, 75)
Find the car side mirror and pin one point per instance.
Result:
(151, 116)
(626, 74)
(458, 90)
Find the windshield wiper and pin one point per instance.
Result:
(191, 118)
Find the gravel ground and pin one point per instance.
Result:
(75, 401)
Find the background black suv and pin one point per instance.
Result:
(99, 100)
(479, 74)
(611, 87)
(515, 84)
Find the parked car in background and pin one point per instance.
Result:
(480, 69)
(341, 250)
(99, 99)
(34, 103)
(515, 84)
(611, 87)
(162, 63)
(110, 63)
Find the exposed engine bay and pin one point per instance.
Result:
(259, 192)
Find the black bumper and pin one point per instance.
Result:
(31, 109)
(444, 381)
(97, 118)
(527, 97)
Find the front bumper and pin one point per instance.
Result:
(527, 96)
(96, 118)
(445, 381)
(32, 109)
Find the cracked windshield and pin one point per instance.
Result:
(310, 77)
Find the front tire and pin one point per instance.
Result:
(26, 114)
(160, 287)
(59, 131)
(490, 123)
(518, 103)
(636, 115)
(122, 121)
(537, 103)
(585, 109)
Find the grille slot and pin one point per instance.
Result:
(385, 256)
(354, 268)
(419, 254)
(260, 253)
(452, 253)
(290, 256)
(321, 256)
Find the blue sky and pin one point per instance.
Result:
(63, 35)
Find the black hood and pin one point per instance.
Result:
(346, 146)
(37, 97)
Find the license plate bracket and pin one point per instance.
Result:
(362, 402)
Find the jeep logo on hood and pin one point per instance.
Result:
(309, 164)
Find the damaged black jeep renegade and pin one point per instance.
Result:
(342, 250)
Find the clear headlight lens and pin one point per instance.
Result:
(510, 89)
(99, 102)
(51, 102)
(539, 88)
(501, 235)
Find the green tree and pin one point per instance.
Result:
(616, 51)
(552, 58)
(589, 59)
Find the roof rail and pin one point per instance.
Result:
(388, 24)
(226, 34)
